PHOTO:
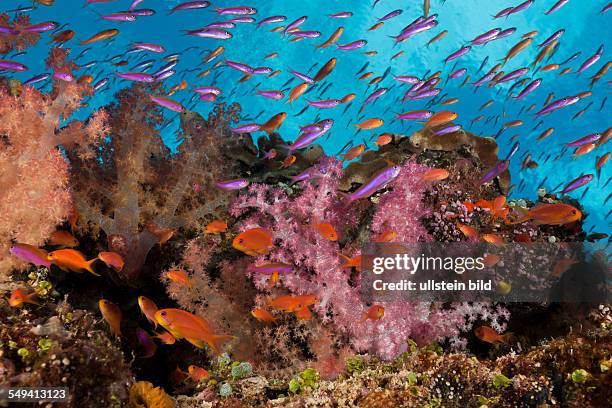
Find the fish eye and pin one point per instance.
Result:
(573, 212)
(163, 313)
(241, 240)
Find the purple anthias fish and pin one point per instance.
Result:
(308, 174)
(591, 60)
(354, 45)
(40, 27)
(142, 65)
(208, 89)
(214, 33)
(390, 15)
(460, 52)
(313, 127)
(239, 66)
(269, 269)
(407, 79)
(425, 93)
(556, 35)
(529, 89)
(447, 130)
(167, 103)
(37, 78)
(242, 20)
(295, 23)
(164, 75)
(149, 47)
(249, 128)
(6, 65)
(100, 84)
(190, 5)
(375, 95)
(303, 77)
(119, 17)
(63, 76)
(484, 79)
(306, 34)
(606, 8)
(592, 138)
(557, 6)
(378, 181)
(558, 104)
(504, 13)
(221, 24)
(228, 185)
(524, 5)
(239, 10)
(486, 37)
(325, 103)
(577, 183)
(500, 167)
(342, 14)
(275, 95)
(420, 25)
(271, 19)
(31, 254)
(415, 115)
(135, 4)
(8, 30)
(136, 76)
(458, 73)
(262, 71)
(208, 97)
(142, 12)
(306, 138)
(505, 33)
(513, 75)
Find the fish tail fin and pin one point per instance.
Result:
(508, 338)
(345, 198)
(88, 267)
(215, 341)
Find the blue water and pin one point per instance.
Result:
(586, 30)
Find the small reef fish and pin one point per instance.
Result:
(215, 227)
(165, 337)
(197, 374)
(195, 329)
(112, 315)
(71, 260)
(327, 231)
(254, 241)
(163, 234)
(19, 297)
(375, 312)
(370, 124)
(489, 335)
(469, 232)
(294, 304)
(354, 262)
(435, 175)
(31, 254)
(101, 36)
(379, 181)
(112, 260)
(148, 308)
(263, 315)
(179, 276)
(549, 214)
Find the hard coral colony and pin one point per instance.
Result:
(164, 243)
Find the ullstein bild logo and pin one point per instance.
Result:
(537, 272)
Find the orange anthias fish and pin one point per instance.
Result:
(549, 214)
(102, 35)
(354, 152)
(255, 241)
(375, 312)
(487, 334)
(197, 374)
(215, 227)
(435, 175)
(491, 260)
(71, 260)
(193, 328)
(62, 37)
(163, 234)
(297, 91)
(387, 235)
(354, 262)
(291, 304)
(19, 297)
(562, 266)
(263, 315)
(370, 124)
(112, 315)
(288, 161)
(441, 118)
(179, 276)
(165, 337)
(148, 308)
(383, 140)
(468, 231)
(63, 239)
(327, 231)
(112, 260)
(497, 207)
(493, 239)
(273, 123)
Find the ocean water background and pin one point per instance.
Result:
(586, 29)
